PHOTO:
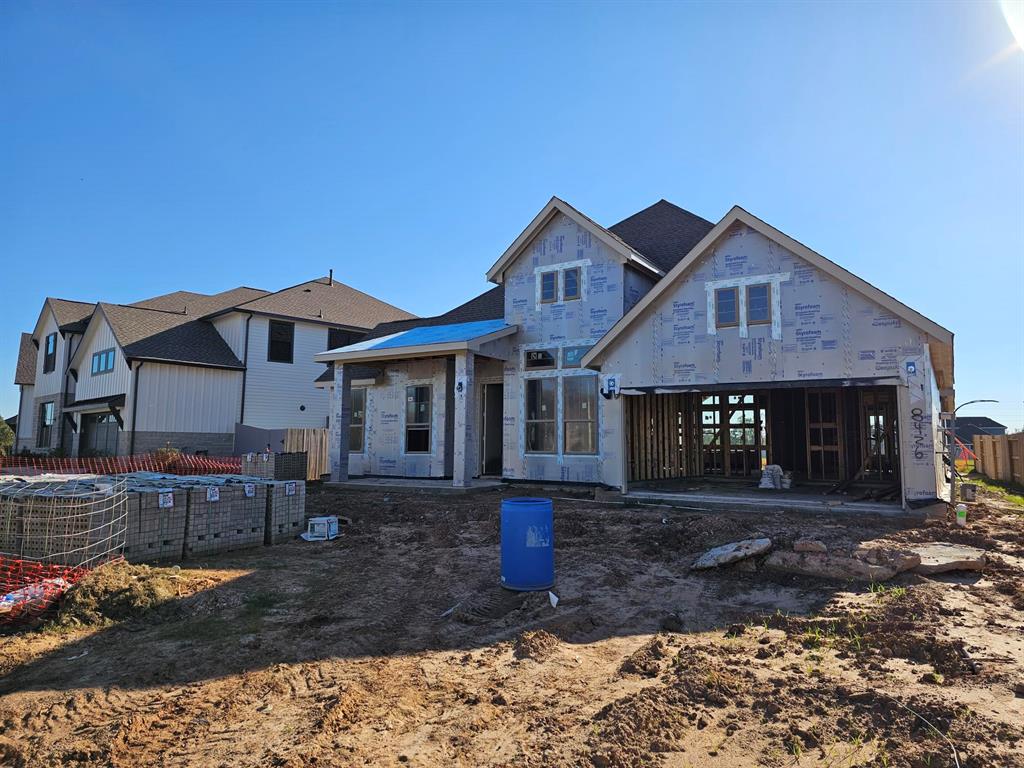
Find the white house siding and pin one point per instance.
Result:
(562, 324)
(99, 337)
(384, 441)
(26, 417)
(50, 383)
(275, 393)
(821, 329)
(232, 328)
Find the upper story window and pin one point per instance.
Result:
(727, 307)
(103, 361)
(45, 424)
(339, 337)
(571, 284)
(50, 353)
(541, 359)
(281, 342)
(357, 421)
(417, 419)
(548, 287)
(759, 304)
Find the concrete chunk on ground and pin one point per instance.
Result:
(828, 566)
(899, 560)
(730, 553)
(942, 556)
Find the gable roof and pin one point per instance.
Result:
(555, 205)
(199, 304)
(152, 334)
(942, 357)
(70, 315)
(327, 301)
(662, 232)
(25, 373)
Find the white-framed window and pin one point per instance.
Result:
(541, 415)
(357, 421)
(102, 362)
(742, 302)
(417, 418)
(727, 307)
(571, 356)
(579, 414)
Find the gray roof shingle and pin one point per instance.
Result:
(71, 315)
(152, 334)
(663, 232)
(25, 373)
(327, 301)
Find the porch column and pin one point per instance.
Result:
(465, 420)
(341, 407)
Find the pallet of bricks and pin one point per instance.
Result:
(224, 514)
(68, 520)
(157, 510)
(275, 466)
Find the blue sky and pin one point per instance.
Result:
(151, 147)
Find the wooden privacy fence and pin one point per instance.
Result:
(314, 443)
(1000, 457)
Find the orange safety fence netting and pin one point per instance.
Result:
(177, 464)
(29, 588)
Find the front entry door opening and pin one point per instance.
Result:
(492, 419)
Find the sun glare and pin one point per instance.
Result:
(1013, 12)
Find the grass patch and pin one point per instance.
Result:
(887, 592)
(1010, 492)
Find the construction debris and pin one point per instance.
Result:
(942, 556)
(730, 553)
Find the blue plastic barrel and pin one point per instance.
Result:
(527, 544)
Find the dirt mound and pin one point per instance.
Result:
(646, 660)
(535, 644)
(121, 591)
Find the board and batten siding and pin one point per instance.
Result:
(26, 417)
(99, 337)
(50, 383)
(283, 395)
(184, 398)
(232, 328)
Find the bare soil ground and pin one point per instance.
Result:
(339, 653)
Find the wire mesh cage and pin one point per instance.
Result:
(53, 530)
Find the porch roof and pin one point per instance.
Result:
(423, 341)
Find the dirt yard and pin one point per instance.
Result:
(344, 654)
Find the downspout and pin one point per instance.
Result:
(245, 367)
(135, 405)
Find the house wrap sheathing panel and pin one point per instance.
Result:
(384, 441)
(820, 330)
(562, 244)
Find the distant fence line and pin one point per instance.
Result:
(1000, 457)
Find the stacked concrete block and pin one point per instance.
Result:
(275, 466)
(156, 524)
(222, 517)
(286, 510)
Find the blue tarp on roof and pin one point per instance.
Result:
(437, 334)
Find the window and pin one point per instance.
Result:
(727, 311)
(759, 304)
(541, 359)
(357, 421)
(338, 337)
(45, 424)
(102, 362)
(571, 283)
(571, 356)
(50, 353)
(417, 419)
(280, 342)
(579, 405)
(548, 287)
(540, 415)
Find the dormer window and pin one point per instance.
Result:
(727, 307)
(548, 287)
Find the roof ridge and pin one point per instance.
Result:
(146, 309)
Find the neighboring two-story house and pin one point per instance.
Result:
(661, 348)
(188, 370)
